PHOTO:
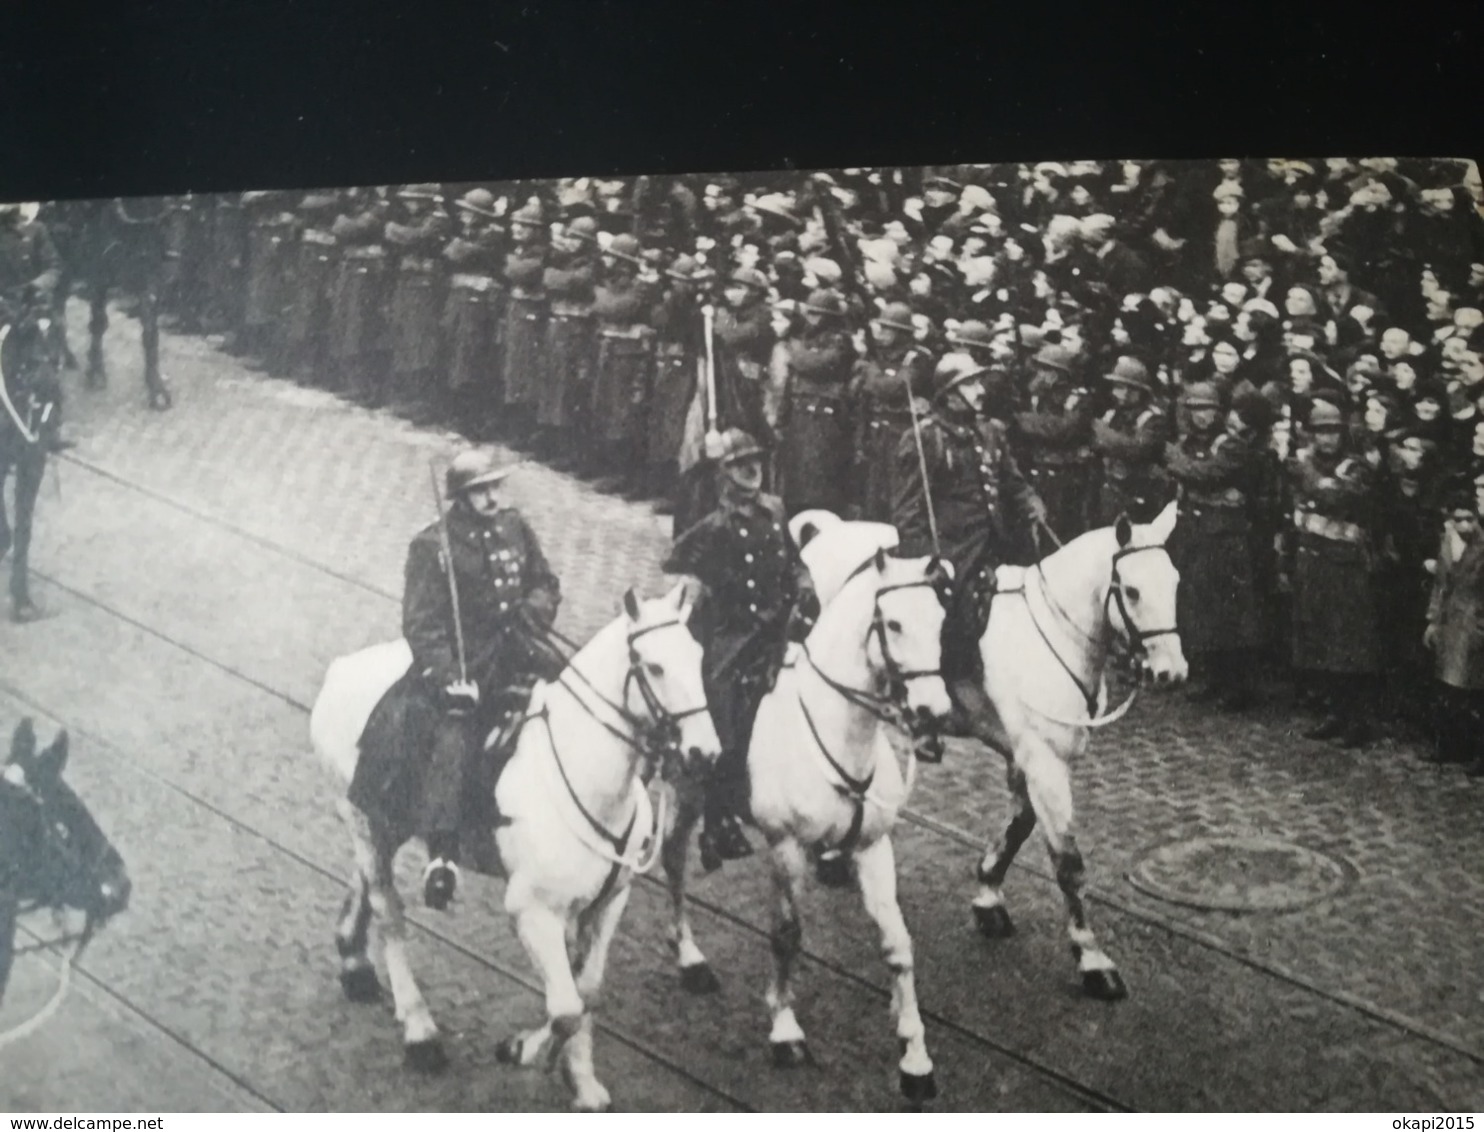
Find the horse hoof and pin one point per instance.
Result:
(1107, 986)
(508, 1051)
(699, 978)
(833, 872)
(360, 984)
(791, 1055)
(918, 1088)
(994, 922)
(426, 1056)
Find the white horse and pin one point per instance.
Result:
(823, 774)
(578, 821)
(1050, 633)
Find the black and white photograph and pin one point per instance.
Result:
(1000, 636)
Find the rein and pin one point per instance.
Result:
(1136, 636)
(64, 982)
(10, 410)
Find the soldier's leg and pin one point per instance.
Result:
(97, 292)
(442, 807)
(28, 475)
(727, 793)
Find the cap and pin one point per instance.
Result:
(1130, 371)
(1054, 357)
(896, 316)
(1326, 416)
(1200, 395)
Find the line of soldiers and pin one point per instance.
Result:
(1290, 347)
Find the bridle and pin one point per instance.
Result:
(653, 738)
(1135, 635)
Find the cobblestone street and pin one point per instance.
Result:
(204, 566)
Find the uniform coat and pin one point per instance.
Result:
(816, 420)
(473, 314)
(1053, 438)
(880, 391)
(525, 363)
(1212, 546)
(417, 295)
(1457, 611)
(571, 351)
(1131, 444)
(1335, 581)
(678, 350)
(625, 364)
(357, 312)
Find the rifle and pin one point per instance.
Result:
(708, 313)
(826, 211)
(453, 586)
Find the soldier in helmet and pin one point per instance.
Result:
(358, 345)
(474, 311)
(1130, 437)
(1334, 570)
(880, 388)
(415, 309)
(508, 598)
(680, 349)
(1052, 435)
(316, 264)
(625, 364)
(979, 501)
(810, 374)
(1218, 467)
(524, 358)
(565, 397)
(755, 595)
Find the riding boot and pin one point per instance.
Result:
(1236, 673)
(726, 802)
(442, 809)
(973, 713)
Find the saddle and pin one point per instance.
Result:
(397, 749)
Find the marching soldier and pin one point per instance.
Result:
(417, 293)
(1218, 473)
(1336, 635)
(508, 598)
(313, 284)
(473, 315)
(755, 596)
(810, 373)
(621, 306)
(1130, 438)
(525, 368)
(881, 388)
(224, 268)
(1053, 436)
(979, 499)
(357, 335)
(565, 395)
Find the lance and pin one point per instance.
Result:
(927, 487)
(707, 314)
(453, 585)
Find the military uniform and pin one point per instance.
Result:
(473, 317)
(979, 498)
(525, 363)
(1131, 443)
(880, 390)
(271, 239)
(1455, 615)
(571, 352)
(317, 262)
(816, 421)
(679, 350)
(357, 331)
(625, 362)
(415, 307)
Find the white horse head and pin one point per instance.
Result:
(887, 614)
(664, 686)
(1142, 593)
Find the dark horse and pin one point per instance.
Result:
(52, 852)
(122, 247)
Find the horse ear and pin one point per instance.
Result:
(52, 761)
(1164, 522)
(631, 604)
(807, 531)
(1123, 530)
(881, 560)
(23, 742)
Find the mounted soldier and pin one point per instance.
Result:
(30, 388)
(962, 495)
(478, 639)
(756, 595)
(1131, 437)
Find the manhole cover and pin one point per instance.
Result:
(1240, 874)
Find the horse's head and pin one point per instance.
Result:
(1142, 591)
(665, 665)
(904, 645)
(50, 846)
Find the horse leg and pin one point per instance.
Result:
(1049, 786)
(696, 975)
(8, 905)
(600, 926)
(544, 936)
(97, 292)
(876, 875)
(786, 1037)
(352, 936)
(989, 903)
(149, 335)
(29, 471)
(421, 1044)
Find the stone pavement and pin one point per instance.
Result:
(275, 490)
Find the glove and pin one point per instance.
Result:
(461, 696)
(542, 607)
(1038, 510)
(1430, 637)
